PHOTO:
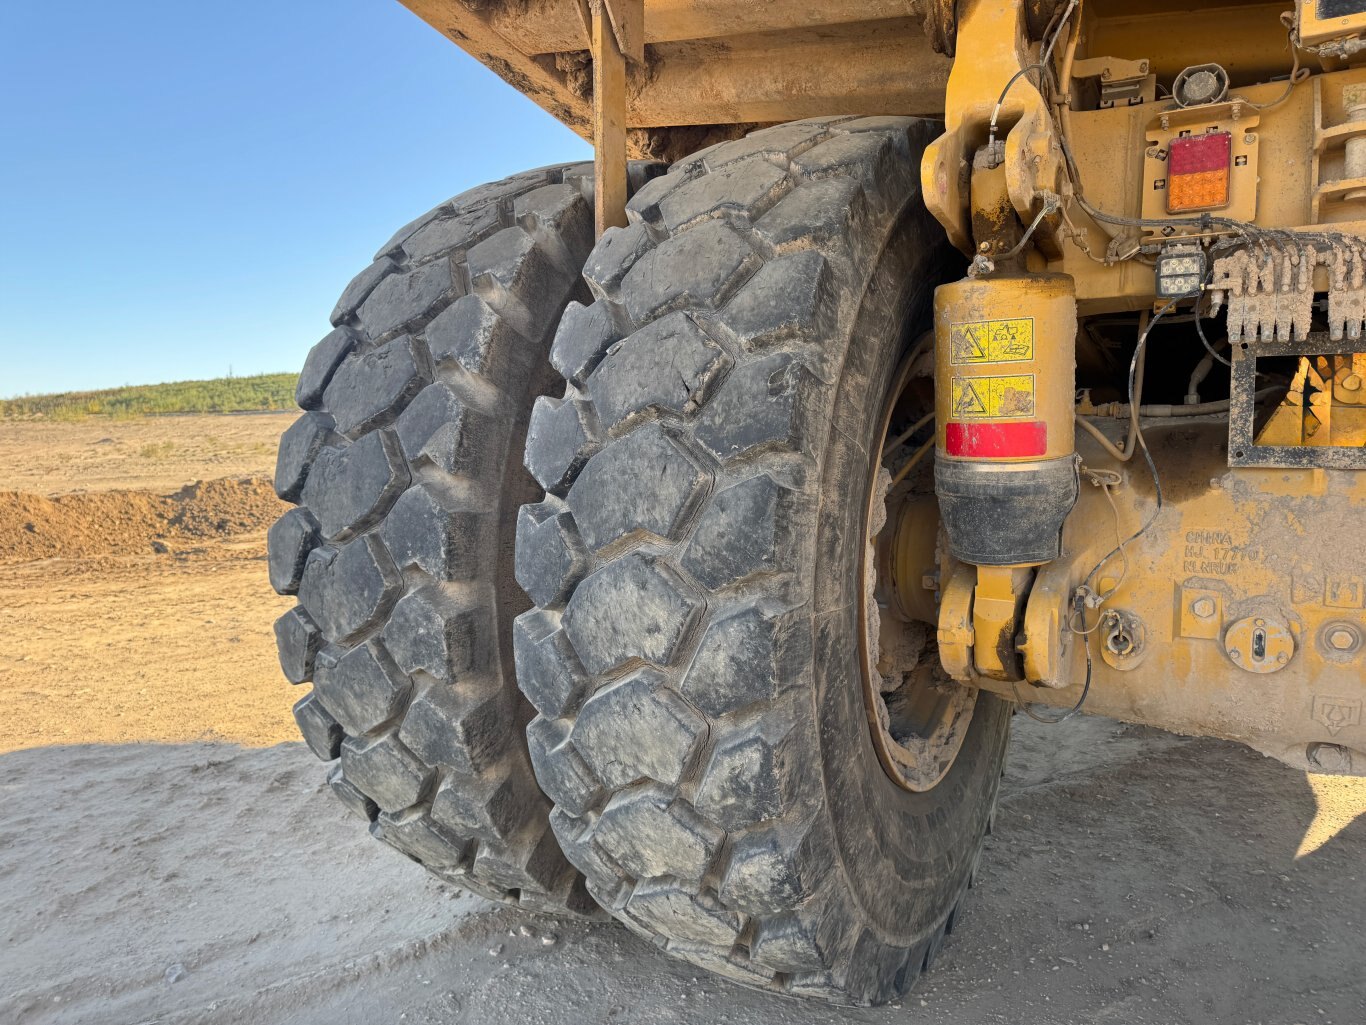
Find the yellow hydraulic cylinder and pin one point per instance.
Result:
(1005, 383)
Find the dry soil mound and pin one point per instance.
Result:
(97, 523)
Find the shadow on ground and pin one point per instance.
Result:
(1134, 877)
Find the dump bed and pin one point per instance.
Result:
(711, 69)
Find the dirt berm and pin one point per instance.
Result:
(86, 524)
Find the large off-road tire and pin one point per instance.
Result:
(405, 469)
(694, 658)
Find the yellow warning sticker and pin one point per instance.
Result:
(992, 341)
(987, 397)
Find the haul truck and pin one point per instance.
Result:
(676, 535)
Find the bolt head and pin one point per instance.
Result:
(1351, 382)
(1203, 607)
(1341, 640)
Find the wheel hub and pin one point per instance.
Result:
(917, 715)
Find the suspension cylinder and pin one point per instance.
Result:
(1005, 383)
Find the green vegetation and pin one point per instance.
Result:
(222, 395)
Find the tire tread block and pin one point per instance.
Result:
(668, 366)
(638, 729)
(363, 689)
(634, 607)
(350, 487)
(643, 483)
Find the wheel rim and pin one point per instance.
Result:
(917, 716)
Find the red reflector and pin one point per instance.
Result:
(996, 440)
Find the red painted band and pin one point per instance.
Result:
(1010, 440)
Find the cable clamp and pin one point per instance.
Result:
(1102, 478)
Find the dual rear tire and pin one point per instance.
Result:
(693, 700)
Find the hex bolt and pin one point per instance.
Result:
(1342, 639)
(1351, 382)
(1203, 607)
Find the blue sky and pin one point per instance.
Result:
(187, 187)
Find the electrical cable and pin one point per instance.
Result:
(1131, 440)
(1248, 233)
(1047, 59)
(1041, 66)
(1085, 691)
(1051, 205)
(996, 111)
(1079, 598)
(1296, 77)
(1200, 330)
(1143, 447)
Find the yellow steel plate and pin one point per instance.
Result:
(993, 397)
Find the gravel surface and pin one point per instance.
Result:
(1134, 877)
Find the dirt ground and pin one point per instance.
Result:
(169, 854)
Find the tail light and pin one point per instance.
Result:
(1198, 172)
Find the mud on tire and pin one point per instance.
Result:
(693, 656)
(405, 471)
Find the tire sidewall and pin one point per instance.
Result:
(905, 855)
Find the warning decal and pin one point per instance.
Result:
(992, 341)
(982, 397)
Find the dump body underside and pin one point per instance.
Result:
(710, 65)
